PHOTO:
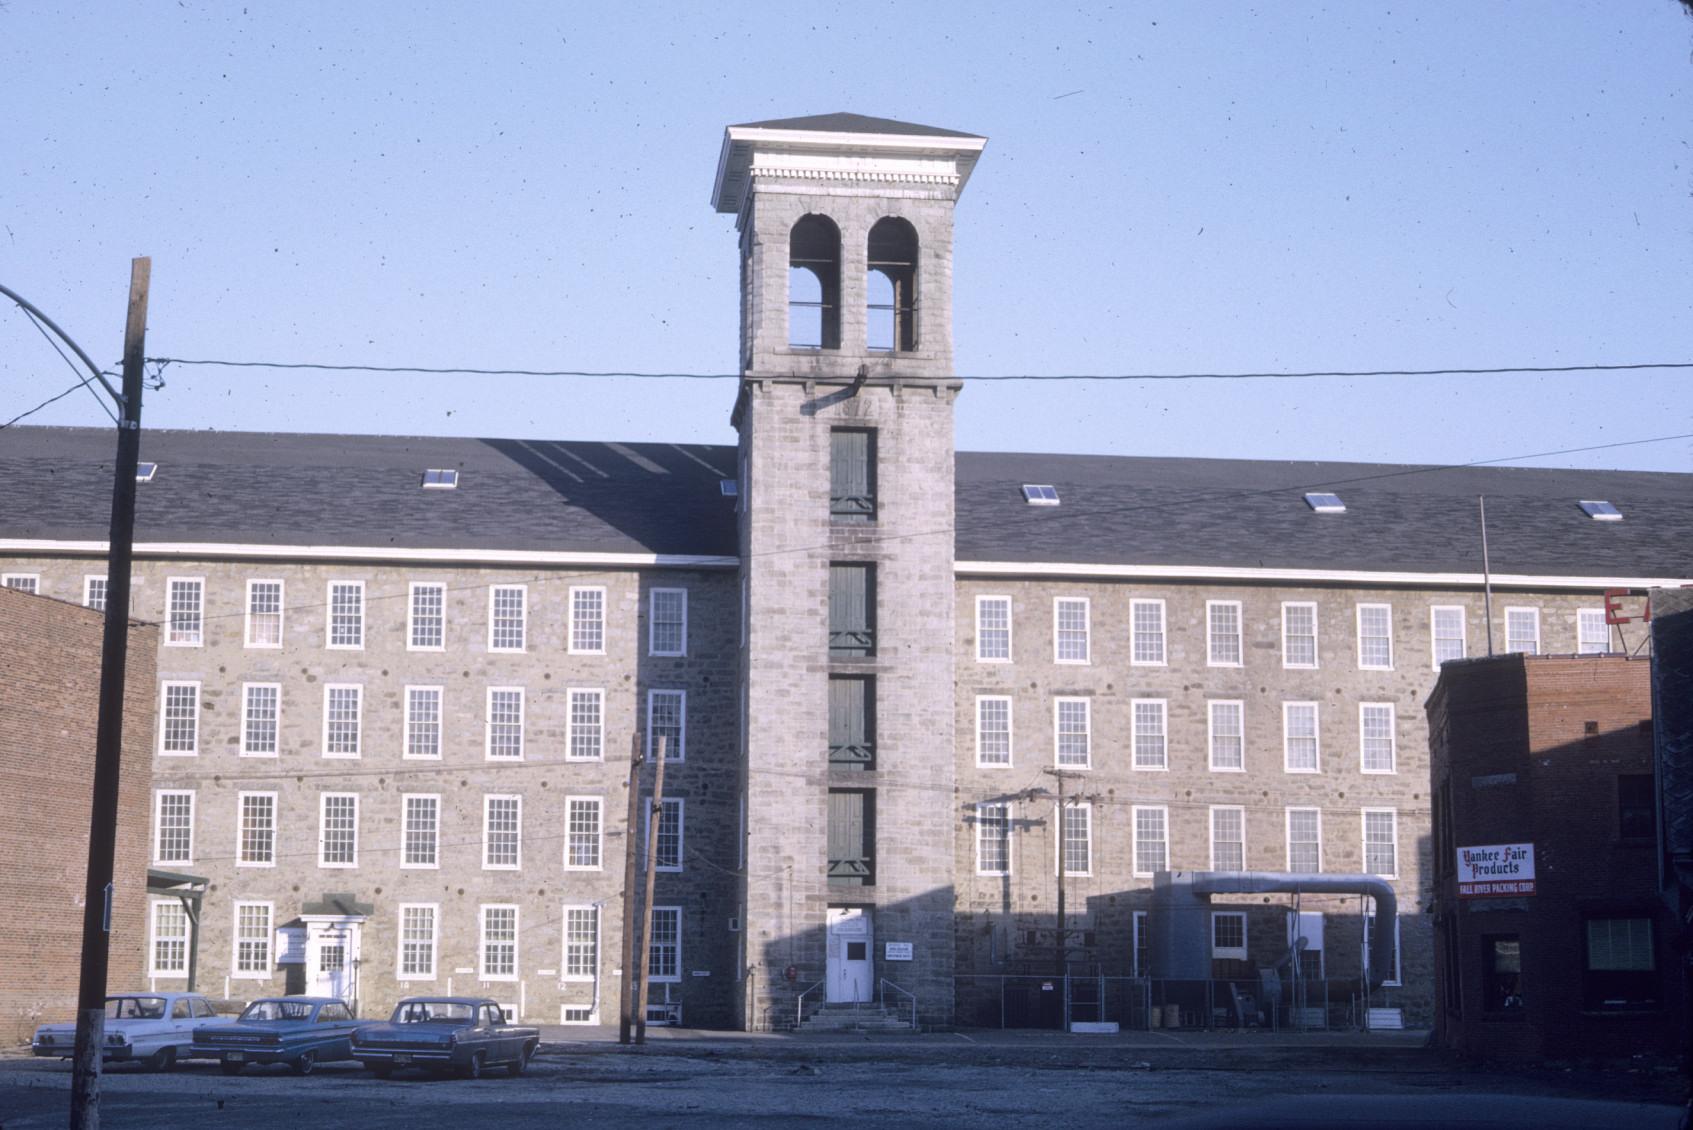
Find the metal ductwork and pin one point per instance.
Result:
(1180, 922)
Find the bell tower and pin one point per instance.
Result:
(845, 416)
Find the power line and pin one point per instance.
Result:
(1197, 376)
(42, 330)
(50, 400)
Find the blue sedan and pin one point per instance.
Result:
(299, 1031)
(463, 1034)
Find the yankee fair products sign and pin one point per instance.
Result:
(1497, 869)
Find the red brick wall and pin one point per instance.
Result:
(49, 696)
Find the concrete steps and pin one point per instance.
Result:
(857, 1018)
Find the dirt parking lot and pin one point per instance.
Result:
(951, 1079)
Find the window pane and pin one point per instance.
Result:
(993, 628)
(428, 616)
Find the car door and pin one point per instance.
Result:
(181, 1025)
(488, 1027)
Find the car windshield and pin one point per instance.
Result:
(135, 1008)
(425, 1012)
(278, 1010)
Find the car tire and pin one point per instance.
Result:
(304, 1065)
(382, 1070)
(162, 1060)
(517, 1066)
(478, 1061)
(230, 1067)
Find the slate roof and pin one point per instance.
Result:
(288, 489)
(842, 122)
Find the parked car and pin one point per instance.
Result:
(156, 1029)
(299, 1031)
(464, 1034)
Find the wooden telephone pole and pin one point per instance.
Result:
(655, 818)
(626, 991)
(108, 740)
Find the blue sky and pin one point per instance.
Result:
(1167, 187)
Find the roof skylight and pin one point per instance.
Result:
(1600, 510)
(1324, 502)
(1040, 494)
(144, 472)
(441, 478)
(730, 488)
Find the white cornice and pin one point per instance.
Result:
(377, 553)
(1306, 576)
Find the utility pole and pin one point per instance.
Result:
(1061, 941)
(108, 741)
(626, 994)
(655, 817)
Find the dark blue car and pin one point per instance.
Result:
(299, 1031)
(467, 1035)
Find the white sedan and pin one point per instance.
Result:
(156, 1029)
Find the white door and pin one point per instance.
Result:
(849, 971)
(329, 962)
(1307, 924)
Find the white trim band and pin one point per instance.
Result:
(1306, 576)
(378, 553)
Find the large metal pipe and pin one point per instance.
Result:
(1181, 929)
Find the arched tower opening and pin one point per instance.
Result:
(814, 284)
(890, 285)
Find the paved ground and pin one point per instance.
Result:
(687, 1079)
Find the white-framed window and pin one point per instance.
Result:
(419, 937)
(1592, 633)
(255, 830)
(252, 939)
(423, 723)
(343, 719)
(1305, 840)
(1376, 737)
(1228, 934)
(346, 615)
(508, 615)
(1226, 733)
(1070, 630)
(1375, 637)
(664, 953)
(504, 737)
(669, 832)
(667, 718)
(1146, 627)
(1223, 647)
(1300, 753)
(993, 838)
(264, 612)
(581, 943)
(1381, 842)
(185, 612)
(1522, 630)
(498, 945)
(1446, 633)
(94, 592)
(667, 622)
(585, 726)
(1299, 634)
(1149, 739)
(1228, 838)
(1072, 727)
(261, 705)
(993, 731)
(587, 620)
(420, 830)
(426, 617)
(173, 826)
(993, 629)
(1076, 844)
(22, 582)
(1395, 977)
(502, 832)
(582, 833)
(179, 719)
(1152, 838)
(169, 951)
(338, 830)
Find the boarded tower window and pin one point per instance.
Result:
(852, 611)
(852, 475)
(852, 837)
(814, 284)
(891, 284)
(852, 722)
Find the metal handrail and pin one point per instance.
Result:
(799, 1005)
(881, 998)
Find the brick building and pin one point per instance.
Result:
(1554, 752)
(49, 704)
(398, 677)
